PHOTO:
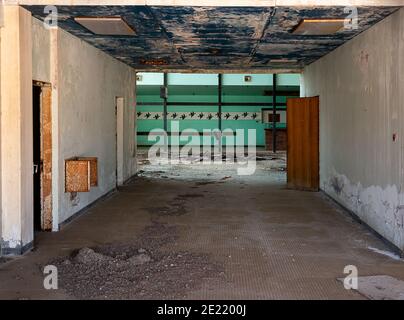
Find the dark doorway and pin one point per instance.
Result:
(42, 155)
(37, 90)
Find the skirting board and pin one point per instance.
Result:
(20, 250)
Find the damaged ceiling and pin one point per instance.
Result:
(212, 38)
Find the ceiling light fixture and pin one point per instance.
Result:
(319, 26)
(109, 26)
(153, 62)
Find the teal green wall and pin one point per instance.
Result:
(203, 88)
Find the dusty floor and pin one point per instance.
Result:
(207, 233)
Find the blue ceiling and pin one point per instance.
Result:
(213, 37)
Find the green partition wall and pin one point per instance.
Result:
(244, 102)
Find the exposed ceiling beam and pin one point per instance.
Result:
(214, 3)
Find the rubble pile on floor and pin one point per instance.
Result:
(138, 270)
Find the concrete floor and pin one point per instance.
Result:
(273, 243)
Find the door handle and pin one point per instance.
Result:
(36, 168)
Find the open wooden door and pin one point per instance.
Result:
(303, 143)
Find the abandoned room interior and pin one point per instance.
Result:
(222, 150)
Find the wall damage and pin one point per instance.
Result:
(362, 125)
(382, 208)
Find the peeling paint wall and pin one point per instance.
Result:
(85, 83)
(88, 83)
(362, 124)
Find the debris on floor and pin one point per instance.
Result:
(4, 259)
(171, 209)
(138, 270)
(380, 287)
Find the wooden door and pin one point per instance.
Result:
(303, 143)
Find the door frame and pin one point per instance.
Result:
(45, 154)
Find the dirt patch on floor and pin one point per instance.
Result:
(175, 207)
(4, 260)
(208, 182)
(138, 270)
(172, 209)
(188, 196)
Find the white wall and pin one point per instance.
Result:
(88, 83)
(361, 89)
(16, 130)
(85, 83)
(41, 52)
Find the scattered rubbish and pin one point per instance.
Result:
(380, 287)
(87, 255)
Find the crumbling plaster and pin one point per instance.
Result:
(85, 83)
(362, 123)
(88, 83)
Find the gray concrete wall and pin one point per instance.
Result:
(361, 89)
